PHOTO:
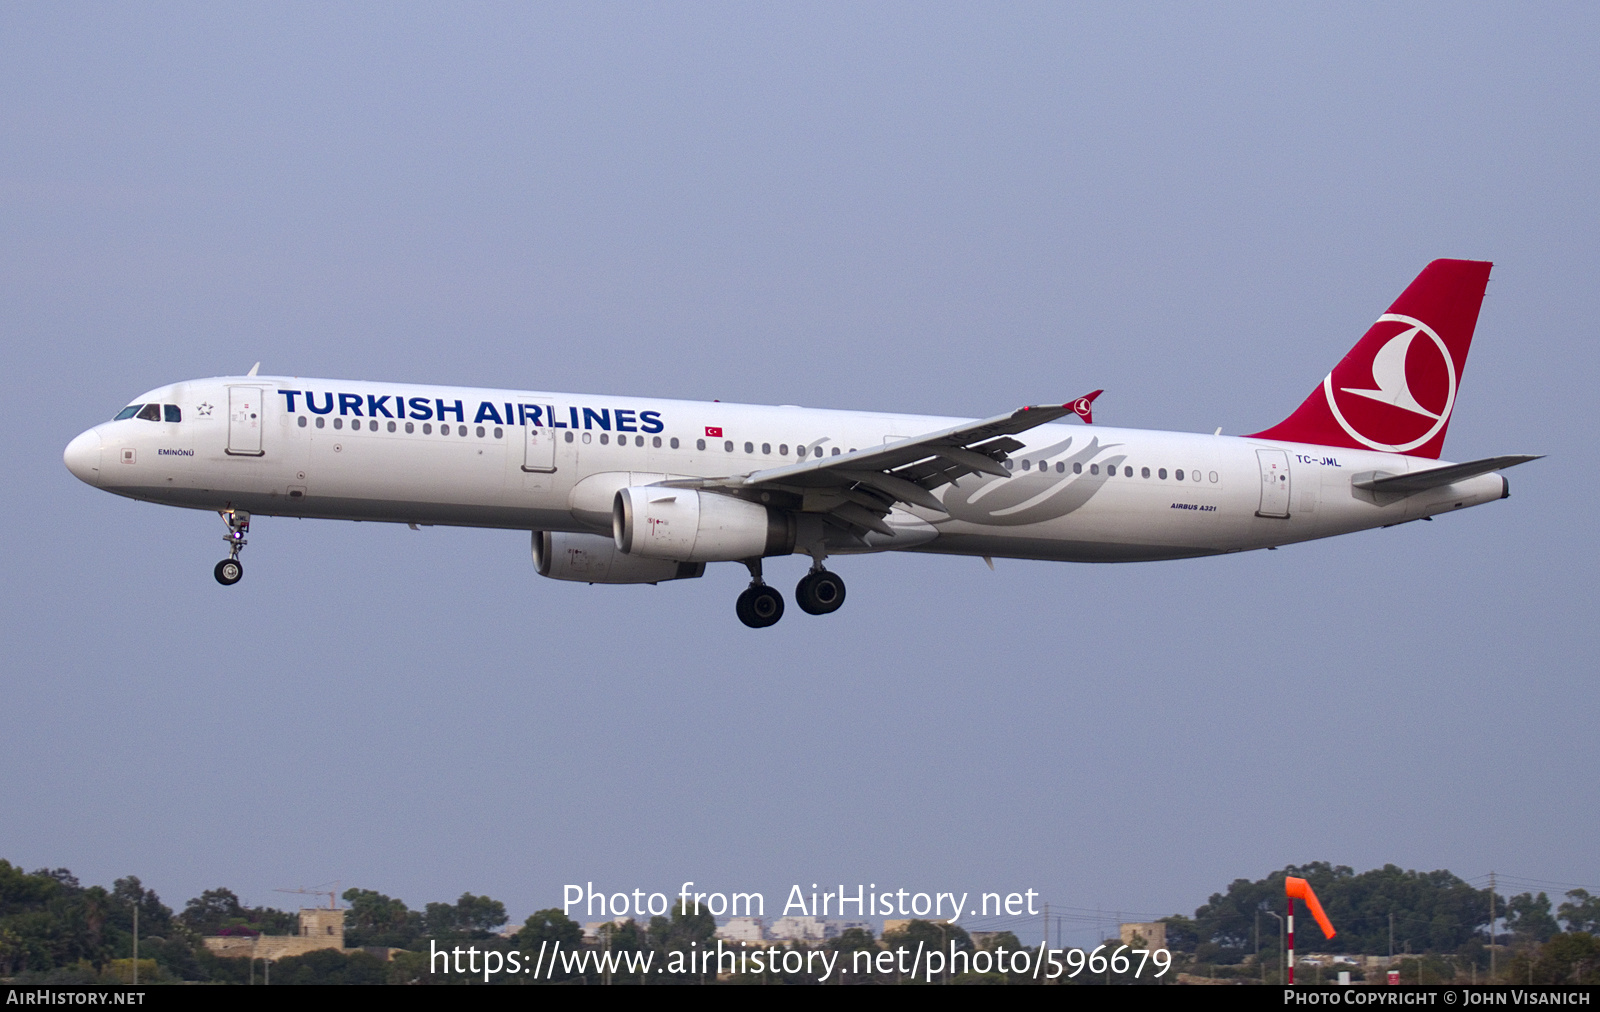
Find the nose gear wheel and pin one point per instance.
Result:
(230, 570)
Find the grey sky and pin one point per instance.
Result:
(932, 209)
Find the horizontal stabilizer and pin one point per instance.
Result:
(1438, 477)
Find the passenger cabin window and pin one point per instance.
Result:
(1077, 467)
(127, 412)
(150, 413)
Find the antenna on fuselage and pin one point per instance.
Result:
(253, 369)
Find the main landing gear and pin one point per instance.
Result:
(759, 606)
(229, 570)
(818, 593)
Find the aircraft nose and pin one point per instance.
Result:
(82, 457)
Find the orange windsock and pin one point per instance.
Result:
(1300, 889)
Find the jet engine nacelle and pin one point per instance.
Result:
(593, 558)
(652, 522)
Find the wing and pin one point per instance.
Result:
(858, 489)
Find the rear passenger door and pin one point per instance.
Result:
(1274, 483)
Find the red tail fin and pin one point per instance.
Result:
(1396, 388)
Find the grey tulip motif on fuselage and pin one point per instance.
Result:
(1032, 496)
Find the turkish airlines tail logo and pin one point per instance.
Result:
(1396, 388)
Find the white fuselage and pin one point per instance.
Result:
(526, 460)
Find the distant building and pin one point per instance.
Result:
(592, 929)
(800, 929)
(743, 929)
(320, 928)
(1152, 934)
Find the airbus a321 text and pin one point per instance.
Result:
(642, 490)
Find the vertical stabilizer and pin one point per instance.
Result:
(1396, 388)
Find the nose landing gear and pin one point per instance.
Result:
(230, 570)
(759, 606)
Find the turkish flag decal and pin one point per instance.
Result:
(714, 431)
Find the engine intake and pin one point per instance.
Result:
(652, 522)
(593, 558)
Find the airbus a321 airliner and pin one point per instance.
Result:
(642, 490)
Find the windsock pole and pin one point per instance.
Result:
(1294, 887)
(1291, 939)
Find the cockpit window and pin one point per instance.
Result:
(127, 412)
(173, 412)
(151, 413)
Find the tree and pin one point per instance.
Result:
(1529, 919)
(376, 919)
(1570, 958)
(1581, 912)
(211, 911)
(543, 932)
(853, 940)
(155, 918)
(686, 929)
(931, 935)
(479, 915)
(549, 927)
(1432, 911)
(219, 912)
(330, 966)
